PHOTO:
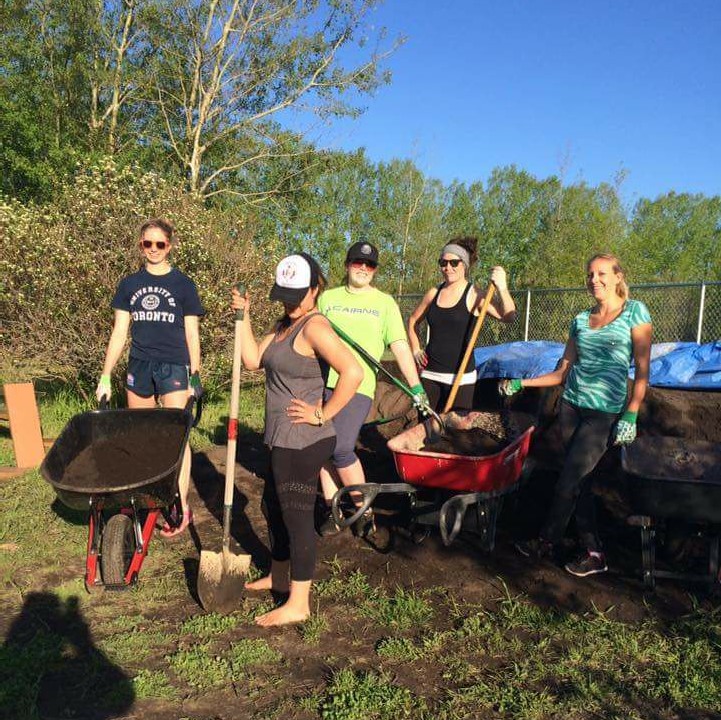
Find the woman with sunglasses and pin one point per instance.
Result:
(298, 430)
(373, 320)
(450, 311)
(160, 307)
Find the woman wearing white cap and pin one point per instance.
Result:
(450, 311)
(297, 430)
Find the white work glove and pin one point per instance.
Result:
(104, 388)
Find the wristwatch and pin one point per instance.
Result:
(318, 412)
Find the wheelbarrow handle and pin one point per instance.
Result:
(104, 403)
(367, 490)
(457, 505)
(194, 405)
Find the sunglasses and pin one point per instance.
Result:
(160, 244)
(453, 263)
(363, 263)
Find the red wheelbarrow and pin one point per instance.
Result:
(441, 487)
(123, 467)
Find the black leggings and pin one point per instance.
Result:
(438, 394)
(586, 435)
(288, 504)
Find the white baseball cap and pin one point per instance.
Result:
(293, 276)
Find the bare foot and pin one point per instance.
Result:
(265, 583)
(284, 615)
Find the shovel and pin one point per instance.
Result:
(469, 347)
(221, 576)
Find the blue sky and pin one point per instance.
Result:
(581, 88)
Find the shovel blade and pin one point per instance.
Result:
(221, 580)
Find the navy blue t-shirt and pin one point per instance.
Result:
(158, 305)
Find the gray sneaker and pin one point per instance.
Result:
(587, 565)
(328, 526)
(365, 525)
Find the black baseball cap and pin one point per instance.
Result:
(362, 251)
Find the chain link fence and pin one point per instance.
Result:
(680, 312)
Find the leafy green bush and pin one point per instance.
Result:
(60, 265)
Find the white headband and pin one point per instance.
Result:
(457, 250)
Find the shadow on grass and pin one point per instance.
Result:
(49, 666)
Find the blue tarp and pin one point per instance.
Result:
(673, 365)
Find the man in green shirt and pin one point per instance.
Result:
(373, 320)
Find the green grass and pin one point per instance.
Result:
(210, 625)
(368, 696)
(404, 609)
(153, 684)
(7, 454)
(212, 429)
(313, 629)
(131, 647)
(200, 667)
(341, 587)
(251, 651)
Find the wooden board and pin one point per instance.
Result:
(24, 424)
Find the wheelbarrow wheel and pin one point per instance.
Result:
(117, 548)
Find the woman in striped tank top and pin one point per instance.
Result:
(595, 408)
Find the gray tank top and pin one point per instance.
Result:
(288, 375)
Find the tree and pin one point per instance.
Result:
(677, 237)
(226, 70)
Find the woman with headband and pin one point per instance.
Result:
(450, 310)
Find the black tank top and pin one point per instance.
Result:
(450, 329)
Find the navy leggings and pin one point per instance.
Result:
(586, 435)
(288, 504)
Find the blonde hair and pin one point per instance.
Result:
(622, 287)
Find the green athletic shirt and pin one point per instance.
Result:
(598, 378)
(372, 318)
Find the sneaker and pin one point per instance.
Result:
(329, 526)
(537, 549)
(587, 565)
(365, 525)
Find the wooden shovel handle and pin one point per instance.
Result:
(232, 427)
(469, 347)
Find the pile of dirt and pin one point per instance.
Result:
(474, 434)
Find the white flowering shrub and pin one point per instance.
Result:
(60, 265)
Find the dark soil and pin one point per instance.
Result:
(119, 462)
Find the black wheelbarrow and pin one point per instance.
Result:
(442, 487)
(674, 479)
(123, 467)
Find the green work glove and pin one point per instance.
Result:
(625, 429)
(420, 399)
(510, 387)
(196, 386)
(104, 388)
